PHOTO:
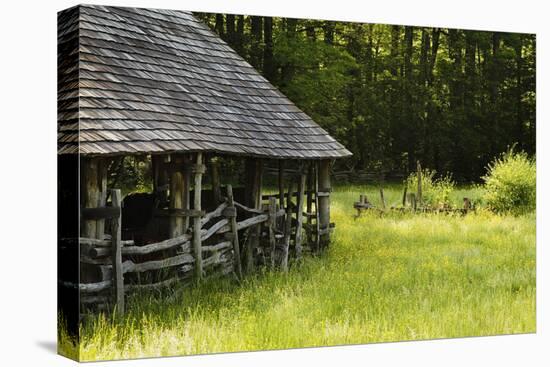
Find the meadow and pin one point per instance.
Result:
(385, 278)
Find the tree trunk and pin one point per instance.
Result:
(269, 63)
(256, 43)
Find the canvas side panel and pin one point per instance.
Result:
(68, 187)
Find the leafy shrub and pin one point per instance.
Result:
(435, 191)
(511, 182)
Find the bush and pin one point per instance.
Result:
(511, 183)
(435, 191)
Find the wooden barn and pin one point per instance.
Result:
(160, 85)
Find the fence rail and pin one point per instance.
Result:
(115, 258)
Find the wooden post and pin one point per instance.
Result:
(197, 246)
(383, 202)
(288, 228)
(309, 207)
(215, 174)
(116, 253)
(176, 196)
(281, 183)
(160, 178)
(316, 198)
(272, 224)
(89, 194)
(299, 215)
(404, 196)
(254, 192)
(235, 232)
(324, 201)
(419, 179)
(102, 181)
(186, 190)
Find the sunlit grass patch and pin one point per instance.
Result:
(385, 278)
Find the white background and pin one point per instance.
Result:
(28, 182)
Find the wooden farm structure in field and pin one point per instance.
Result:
(159, 85)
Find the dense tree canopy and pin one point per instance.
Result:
(453, 99)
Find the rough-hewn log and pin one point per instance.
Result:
(213, 230)
(299, 216)
(96, 242)
(215, 175)
(196, 220)
(235, 232)
(88, 287)
(176, 196)
(214, 214)
(151, 286)
(160, 177)
(253, 188)
(89, 194)
(183, 241)
(288, 229)
(272, 223)
(309, 205)
(218, 247)
(102, 186)
(280, 178)
(116, 255)
(247, 209)
(324, 201)
(186, 191)
(130, 267)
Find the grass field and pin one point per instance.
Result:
(389, 278)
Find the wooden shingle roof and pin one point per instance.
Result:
(150, 81)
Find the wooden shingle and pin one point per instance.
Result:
(134, 81)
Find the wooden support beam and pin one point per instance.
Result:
(272, 223)
(160, 177)
(287, 229)
(299, 216)
(316, 240)
(186, 191)
(235, 232)
(116, 253)
(176, 198)
(324, 201)
(309, 205)
(281, 178)
(89, 194)
(253, 189)
(103, 165)
(215, 175)
(197, 220)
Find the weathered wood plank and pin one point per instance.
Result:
(105, 212)
(197, 220)
(116, 234)
(272, 223)
(299, 216)
(214, 214)
(235, 232)
(287, 230)
(215, 175)
(324, 200)
(130, 267)
(218, 247)
(176, 196)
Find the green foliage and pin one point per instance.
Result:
(436, 191)
(452, 99)
(511, 183)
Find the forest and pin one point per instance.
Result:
(394, 95)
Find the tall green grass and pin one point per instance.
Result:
(384, 278)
